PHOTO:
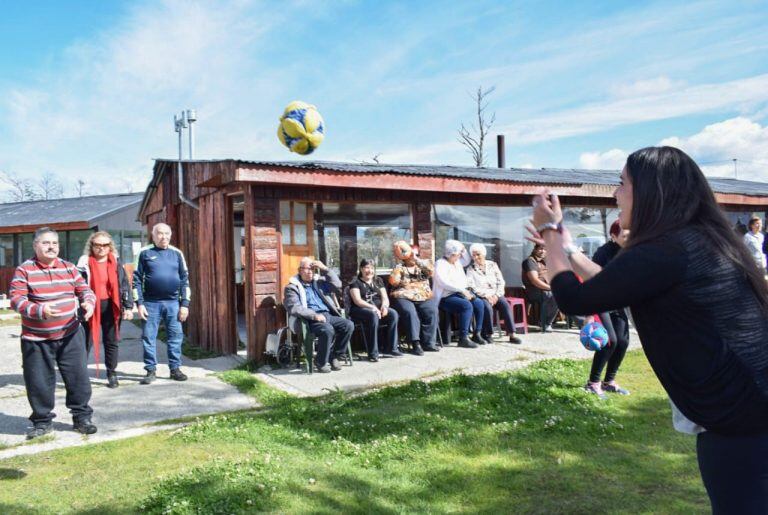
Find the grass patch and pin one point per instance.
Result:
(10, 322)
(524, 441)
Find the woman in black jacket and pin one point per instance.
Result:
(700, 306)
(106, 276)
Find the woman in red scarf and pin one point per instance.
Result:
(102, 269)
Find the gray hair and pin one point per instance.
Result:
(453, 247)
(479, 248)
(159, 226)
(43, 230)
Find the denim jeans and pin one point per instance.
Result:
(166, 311)
(457, 304)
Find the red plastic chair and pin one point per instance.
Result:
(515, 301)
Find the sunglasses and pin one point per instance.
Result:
(100, 245)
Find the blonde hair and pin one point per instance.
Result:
(87, 250)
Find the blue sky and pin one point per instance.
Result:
(88, 89)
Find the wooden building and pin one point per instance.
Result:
(74, 219)
(244, 225)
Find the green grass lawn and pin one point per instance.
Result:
(528, 441)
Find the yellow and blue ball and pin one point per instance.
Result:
(301, 128)
(594, 337)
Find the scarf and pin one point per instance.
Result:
(114, 297)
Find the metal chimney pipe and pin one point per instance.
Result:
(500, 151)
(191, 118)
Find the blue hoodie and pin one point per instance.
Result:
(161, 274)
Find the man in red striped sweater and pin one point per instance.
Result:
(45, 290)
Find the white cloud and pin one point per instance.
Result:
(716, 145)
(646, 87)
(749, 93)
(613, 159)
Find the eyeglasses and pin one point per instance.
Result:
(100, 245)
(305, 268)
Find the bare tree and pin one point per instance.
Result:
(474, 138)
(50, 187)
(21, 189)
(80, 188)
(376, 158)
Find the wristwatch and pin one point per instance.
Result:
(570, 250)
(549, 226)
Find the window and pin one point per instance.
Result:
(75, 244)
(25, 247)
(502, 230)
(347, 233)
(293, 222)
(6, 250)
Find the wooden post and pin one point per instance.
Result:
(261, 285)
(422, 229)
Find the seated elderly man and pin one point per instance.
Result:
(306, 297)
(485, 279)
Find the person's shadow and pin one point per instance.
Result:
(11, 379)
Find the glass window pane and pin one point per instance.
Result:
(299, 212)
(285, 210)
(6, 250)
(285, 230)
(77, 241)
(27, 251)
(131, 243)
(300, 234)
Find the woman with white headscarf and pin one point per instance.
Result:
(454, 296)
(485, 279)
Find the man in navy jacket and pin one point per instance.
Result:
(161, 291)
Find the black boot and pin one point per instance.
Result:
(479, 339)
(464, 341)
(85, 426)
(112, 381)
(417, 350)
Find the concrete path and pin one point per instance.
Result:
(129, 410)
(562, 343)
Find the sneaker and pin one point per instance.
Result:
(396, 353)
(464, 341)
(178, 375)
(548, 329)
(335, 364)
(596, 389)
(373, 359)
(479, 340)
(613, 387)
(417, 350)
(112, 381)
(430, 348)
(325, 369)
(514, 339)
(84, 426)
(39, 430)
(149, 378)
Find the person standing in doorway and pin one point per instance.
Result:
(161, 291)
(754, 240)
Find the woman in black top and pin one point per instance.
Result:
(616, 322)
(369, 306)
(700, 306)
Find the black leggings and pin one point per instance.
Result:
(735, 472)
(617, 325)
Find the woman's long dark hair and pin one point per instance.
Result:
(669, 192)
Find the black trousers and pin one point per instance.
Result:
(39, 360)
(735, 472)
(332, 336)
(504, 310)
(548, 304)
(108, 337)
(617, 325)
(418, 319)
(371, 325)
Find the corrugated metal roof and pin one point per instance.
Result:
(79, 209)
(520, 175)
